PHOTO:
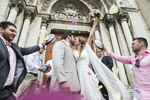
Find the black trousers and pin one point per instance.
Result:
(6, 94)
(104, 91)
(48, 83)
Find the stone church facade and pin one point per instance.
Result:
(115, 30)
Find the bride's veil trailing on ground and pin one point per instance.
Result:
(114, 86)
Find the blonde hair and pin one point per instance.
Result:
(82, 40)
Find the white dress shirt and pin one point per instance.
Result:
(100, 59)
(33, 62)
(12, 63)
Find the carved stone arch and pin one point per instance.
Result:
(45, 7)
(48, 5)
(66, 10)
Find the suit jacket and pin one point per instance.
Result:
(64, 68)
(108, 62)
(20, 71)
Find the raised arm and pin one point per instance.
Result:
(92, 31)
(124, 59)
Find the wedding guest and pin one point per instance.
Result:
(12, 65)
(105, 59)
(109, 63)
(141, 65)
(49, 74)
(31, 81)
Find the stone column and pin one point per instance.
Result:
(4, 6)
(15, 7)
(110, 22)
(35, 2)
(123, 20)
(43, 30)
(124, 52)
(25, 28)
(138, 25)
(18, 23)
(107, 42)
(97, 35)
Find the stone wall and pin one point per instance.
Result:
(144, 6)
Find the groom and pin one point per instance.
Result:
(65, 78)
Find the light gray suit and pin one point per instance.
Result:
(64, 68)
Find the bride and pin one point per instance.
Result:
(88, 80)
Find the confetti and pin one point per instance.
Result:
(44, 86)
(39, 35)
(113, 9)
(105, 95)
(117, 70)
(116, 96)
(100, 87)
(108, 88)
(82, 96)
(89, 73)
(137, 91)
(73, 20)
(128, 87)
(46, 38)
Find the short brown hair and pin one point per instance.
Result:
(5, 24)
(141, 39)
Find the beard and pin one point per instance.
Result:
(136, 50)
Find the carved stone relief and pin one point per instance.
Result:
(45, 6)
(109, 20)
(17, 5)
(122, 16)
(29, 14)
(107, 4)
(67, 11)
(31, 2)
(90, 4)
(128, 4)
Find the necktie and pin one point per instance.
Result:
(8, 43)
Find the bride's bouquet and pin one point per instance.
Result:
(94, 13)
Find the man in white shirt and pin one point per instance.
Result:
(29, 84)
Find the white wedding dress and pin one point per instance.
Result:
(89, 81)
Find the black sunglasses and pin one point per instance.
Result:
(137, 64)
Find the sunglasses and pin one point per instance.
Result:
(137, 64)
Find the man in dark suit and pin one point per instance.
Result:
(105, 59)
(109, 63)
(12, 65)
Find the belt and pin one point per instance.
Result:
(34, 74)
